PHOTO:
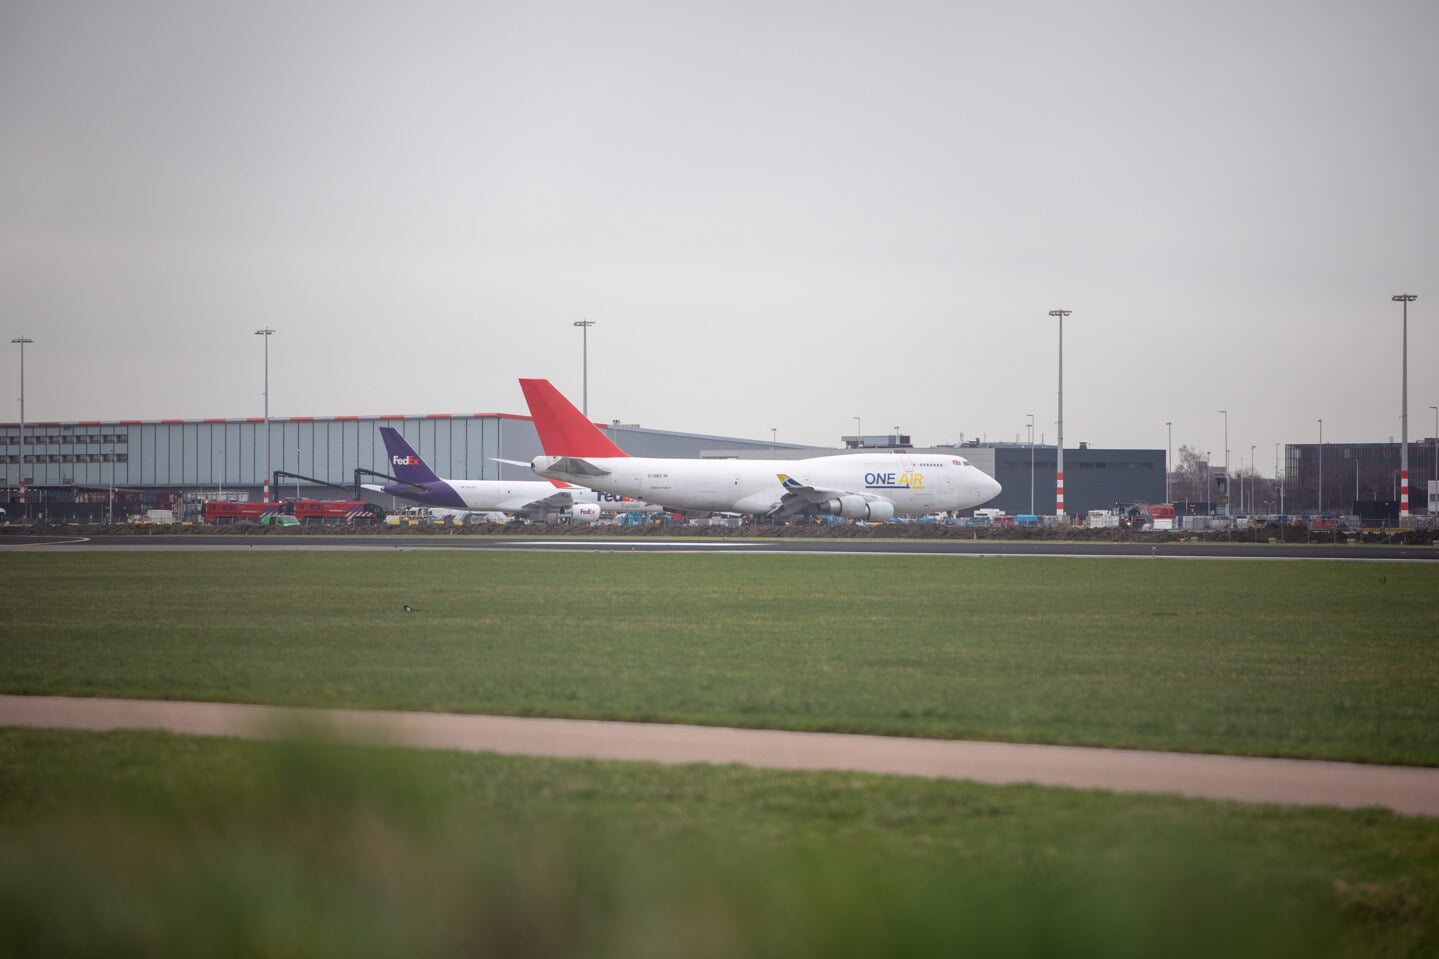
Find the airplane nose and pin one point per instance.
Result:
(988, 488)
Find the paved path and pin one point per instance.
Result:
(1408, 790)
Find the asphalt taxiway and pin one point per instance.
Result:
(738, 544)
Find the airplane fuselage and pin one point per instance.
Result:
(502, 495)
(916, 484)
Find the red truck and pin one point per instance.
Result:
(348, 511)
(1144, 515)
(310, 511)
(225, 513)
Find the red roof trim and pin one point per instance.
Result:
(283, 419)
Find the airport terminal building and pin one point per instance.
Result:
(78, 469)
(89, 468)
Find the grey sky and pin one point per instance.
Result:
(778, 214)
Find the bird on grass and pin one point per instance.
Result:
(409, 608)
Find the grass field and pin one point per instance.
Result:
(1328, 660)
(146, 844)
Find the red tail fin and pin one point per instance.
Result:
(564, 430)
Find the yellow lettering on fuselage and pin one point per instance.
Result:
(912, 480)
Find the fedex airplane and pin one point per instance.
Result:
(867, 486)
(541, 498)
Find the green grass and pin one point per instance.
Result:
(1329, 660)
(147, 844)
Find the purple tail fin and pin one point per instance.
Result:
(405, 463)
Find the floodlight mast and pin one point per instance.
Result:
(585, 325)
(267, 333)
(1168, 455)
(1406, 299)
(1059, 443)
(1226, 461)
(22, 340)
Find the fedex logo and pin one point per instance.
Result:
(611, 498)
(404, 461)
(894, 481)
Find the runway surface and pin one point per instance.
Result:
(738, 544)
(1407, 790)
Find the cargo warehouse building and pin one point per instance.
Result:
(77, 470)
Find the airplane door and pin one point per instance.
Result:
(921, 487)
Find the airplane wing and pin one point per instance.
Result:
(555, 502)
(801, 496)
(798, 496)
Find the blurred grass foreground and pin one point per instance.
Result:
(136, 844)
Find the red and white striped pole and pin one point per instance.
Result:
(1406, 299)
(1059, 443)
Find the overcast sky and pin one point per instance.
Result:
(778, 215)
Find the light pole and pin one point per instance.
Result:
(1434, 476)
(22, 340)
(585, 400)
(858, 433)
(1031, 463)
(1168, 455)
(1241, 486)
(1227, 479)
(1403, 412)
(1406, 299)
(1321, 467)
(1059, 442)
(1207, 454)
(1253, 472)
(1277, 481)
(773, 435)
(265, 484)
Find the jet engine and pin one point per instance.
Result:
(854, 506)
(583, 513)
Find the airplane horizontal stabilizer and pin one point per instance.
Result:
(575, 466)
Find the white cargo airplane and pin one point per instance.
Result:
(865, 486)
(546, 499)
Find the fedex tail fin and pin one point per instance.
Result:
(564, 430)
(405, 463)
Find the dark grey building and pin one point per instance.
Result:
(1347, 474)
(1093, 478)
